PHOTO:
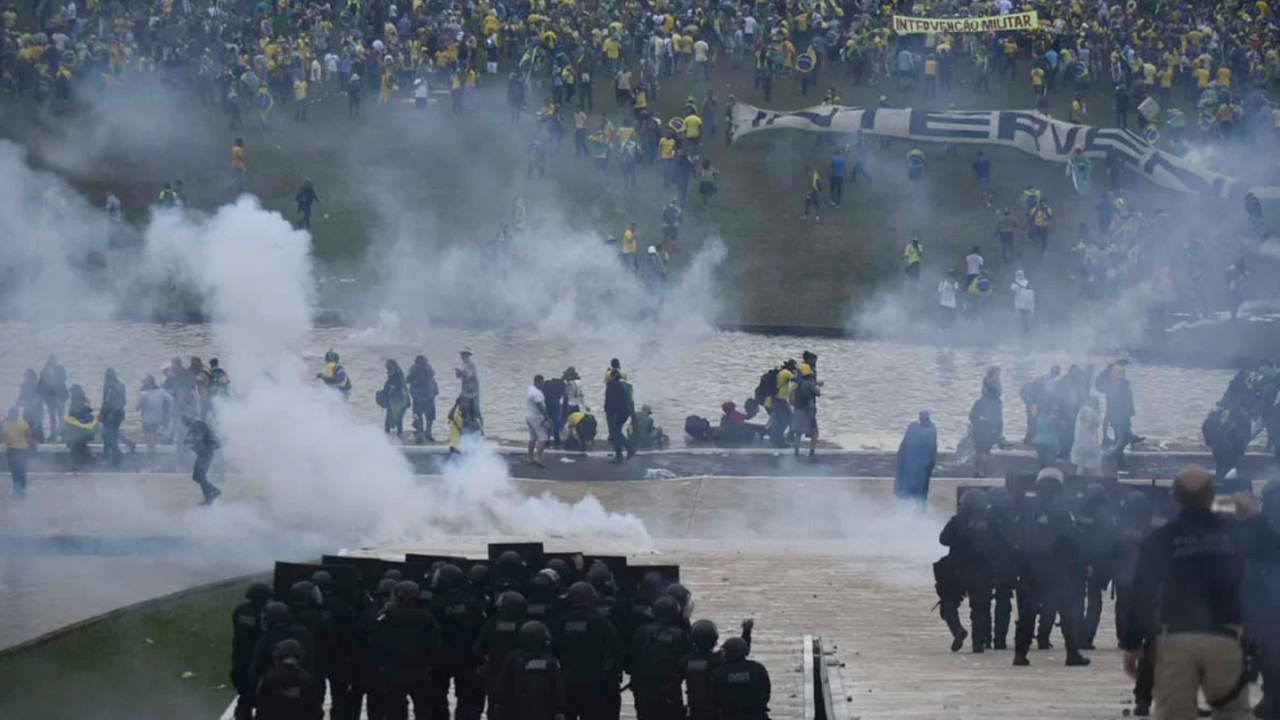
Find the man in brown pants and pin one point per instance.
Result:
(1192, 571)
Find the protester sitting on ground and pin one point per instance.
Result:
(734, 428)
(644, 434)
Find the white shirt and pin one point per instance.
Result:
(700, 49)
(947, 293)
(421, 91)
(1024, 298)
(331, 63)
(749, 25)
(1005, 7)
(533, 397)
(973, 263)
(316, 73)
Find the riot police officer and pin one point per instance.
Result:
(498, 637)
(340, 614)
(246, 629)
(278, 626)
(530, 686)
(407, 639)
(305, 602)
(967, 571)
(460, 616)
(590, 654)
(1002, 551)
(288, 691)
(741, 687)
(367, 679)
(654, 662)
(1053, 570)
(698, 669)
(1099, 541)
(1134, 523)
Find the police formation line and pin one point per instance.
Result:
(522, 637)
(1197, 592)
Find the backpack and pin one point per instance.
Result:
(698, 428)
(768, 386)
(587, 428)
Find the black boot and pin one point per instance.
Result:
(1141, 708)
(957, 640)
(1020, 661)
(1077, 660)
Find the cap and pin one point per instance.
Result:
(466, 350)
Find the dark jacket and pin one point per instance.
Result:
(1188, 578)
(588, 647)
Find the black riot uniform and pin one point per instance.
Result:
(407, 640)
(741, 687)
(367, 680)
(1099, 544)
(278, 626)
(639, 610)
(590, 654)
(508, 574)
(966, 570)
(1134, 523)
(306, 604)
(1003, 554)
(1053, 571)
(698, 669)
(654, 663)
(340, 616)
(287, 691)
(542, 596)
(499, 636)
(530, 686)
(246, 629)
(461, 616)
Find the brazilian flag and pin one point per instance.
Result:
(80, 425)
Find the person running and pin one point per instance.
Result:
(914, 254)
(204, 444)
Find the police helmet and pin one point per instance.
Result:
(1049, 484)
(392, 574)
(653, 581)
(289, 650)
(973, 502)
(679, 593)
(543, 583)
(998, 499)
(534, 635)
(1095, 493)
(258, 592)
(303, 591)
(600, 577)
(479, 574)
(735, 649)
(704, 634)
(581, 593)
(322, 579)
(511, 604)
(666, 608)
(275, 613)
(510, 561)
(406, 590)
(560, 567)
(1137, 503)
(386, 587)
(449, 577)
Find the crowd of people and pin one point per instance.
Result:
(788, 393)
(1052, 554)
(518, 641)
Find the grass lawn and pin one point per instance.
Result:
(430, 180)
(130, 665)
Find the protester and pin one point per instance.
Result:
(917, 455)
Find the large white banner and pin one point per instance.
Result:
(1030, 132)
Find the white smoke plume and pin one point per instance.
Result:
(294, 439)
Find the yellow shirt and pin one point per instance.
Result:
(912, 254)
(1166, 78)
(1224, 76)
(237, 158)
(299, 89)
(784, 383)
(611, 48)
(1202, 78)
(629, 245)
(1037, 77)
(693, 127)
(667, 146)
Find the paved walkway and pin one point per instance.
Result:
(834, 557)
